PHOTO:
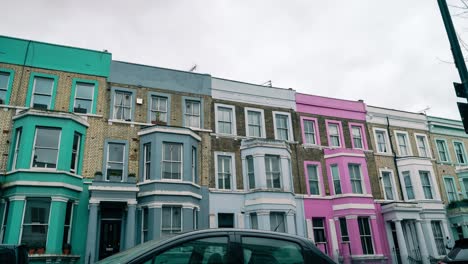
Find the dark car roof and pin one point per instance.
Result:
(128, 255)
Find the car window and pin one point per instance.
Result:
(458, 254)
(259, 250)
(211, 250)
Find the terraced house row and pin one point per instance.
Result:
(97, 156)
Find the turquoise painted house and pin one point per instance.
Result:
(44, 194)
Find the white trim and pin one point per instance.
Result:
(447, 151)
(426, 142)
(363, 185)
(64, 115)
(16, 150)
(37, 170)
(34, 147)
(290, 129)
(76, 91)
(353, 206)
(332, 184)
(392, 182)
(387, 140)
(173, 193)
(319, 179)
(43, 184)
(262, 121)
(59, 199)
(233, 120)
(361, 155)
(171, 130)
(161, 204)
(182, 171)
(233, 169)
(106, 177)
(114, 189)
(168, 181)
(408, 143)
(22, 223)
(145, 159)
(455, 150)
(17, 198)
(276, 201)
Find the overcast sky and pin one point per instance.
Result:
(388, 53)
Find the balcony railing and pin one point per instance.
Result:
(458, 204)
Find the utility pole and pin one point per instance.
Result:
(461, 89)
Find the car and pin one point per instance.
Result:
(13, 254)
(223, 246)
(458, 254)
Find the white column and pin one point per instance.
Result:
(240, 220)
(401, 241)
(213, 220)
(291, 224)
(429, 235)
(422, 243)
(310, 230)
(263, 220)
(333, 238)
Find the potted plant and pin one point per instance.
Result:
(66, 249)
(40, 249)
(31, 250)
(98, 176)
(157, 120)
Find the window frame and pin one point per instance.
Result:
(186, 99)
(455, 190)
(143, 230)
(408, 143)
(340, 133)
(18, 134)
(106, 157)
(233, 120)
(147, 147)
(25, 207)
(441, 245)
(11, 79)
(233, 170)
(363, 188)
(392, 182)
(150, 105)
(320, 228)
(172, 206)
(447, 152)
(463, 149)
(262, 121)
(430, 186)
(194, 165)
(318, 169)
(77, 154)
(426, 142)
(74, 91)
(406, 186)
(387, 142)
(234, 224)
(272, 178)
(283, 223)
(345, 227)
(114, 90)
(334, 180)
(34, 148)
(363, 135)
(368, 221)
(181, 166)
(249, 173)
(31, 88)
(289, 123)
(316, 130)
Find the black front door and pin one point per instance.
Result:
(110, 238)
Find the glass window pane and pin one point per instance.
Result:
(4, 80)
(84, 104)
(2, 96)
(225, 220)
(84, 90)
(269, 250)
(41, 101)
(45, 158)
(116, 152)
(43, 85)
(47, 137)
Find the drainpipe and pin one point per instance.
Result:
(394, 158)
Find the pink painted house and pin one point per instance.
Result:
(341, 215)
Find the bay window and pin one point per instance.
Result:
(273, 171)
(171, 219)
(172, 161)
(356, 178)
(36, 222)
(46, 147)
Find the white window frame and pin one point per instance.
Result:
(371, 235)
(233, 121)
(447, 152)
(247, 177)
(19, 132)
(85, 99)
(319, 176)
(106, 177)
(172, 206)
(464, 151)
(333, 180)
(363, 186)
(194, 163)
(49, 106)
(146, 161)
(262, 121)
(191, 115)
(77, 155)
(426, 142)
(154, 111)
(340, 132)
(290, 131)
(114, 113)
(408, 143)
(9, 74)
(452, 180)
(280, 172)
(405, 187)
(181, 161)
(431, 185)
(315, 129)
(387, 140)
(361, 131)
(34, 149)
(392, 182)
(142, 236)
(233, 169)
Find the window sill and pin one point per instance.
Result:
(385, 154)
(4, 106)
(167, 181)
(200, 129)
(39, 170)
(231, 136)
(88, 115)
